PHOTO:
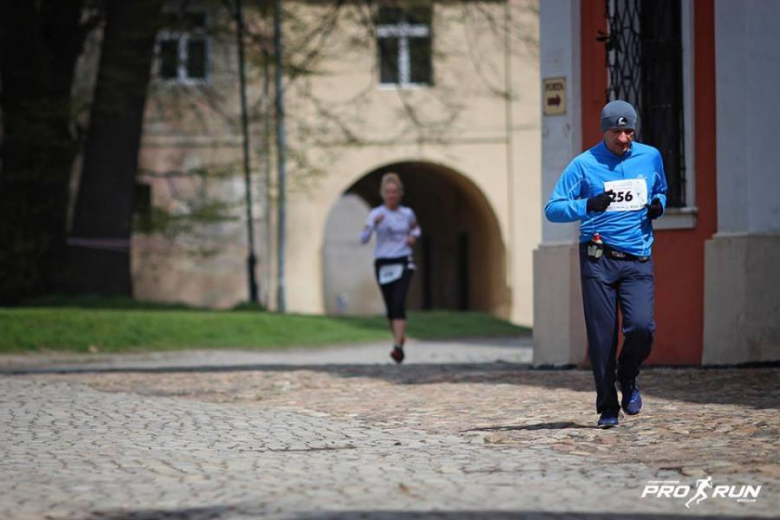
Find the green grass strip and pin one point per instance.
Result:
(75, 329)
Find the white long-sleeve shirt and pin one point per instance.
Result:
(392, 232)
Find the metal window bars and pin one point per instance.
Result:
(644, 63)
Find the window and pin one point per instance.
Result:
(404, 42)
(182, 50)
(645, 62)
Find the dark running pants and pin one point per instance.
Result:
(394, 293)
(609, 284)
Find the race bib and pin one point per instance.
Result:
(628, 194)
(390, 273)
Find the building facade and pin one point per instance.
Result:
(701, 74)
(443, 93)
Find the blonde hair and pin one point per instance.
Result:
(391, 178)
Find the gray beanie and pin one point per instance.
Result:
(618, 114)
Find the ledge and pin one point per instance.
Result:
(677, 218)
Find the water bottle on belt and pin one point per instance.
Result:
(595, 247)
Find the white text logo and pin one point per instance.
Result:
(703, 489)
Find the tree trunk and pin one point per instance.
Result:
(102, 225)
(40, 43)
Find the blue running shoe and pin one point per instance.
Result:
(609, 418)
(632, 399)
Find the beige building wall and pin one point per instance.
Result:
(484, 143)
(348, 278)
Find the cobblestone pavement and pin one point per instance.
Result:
(232, 435)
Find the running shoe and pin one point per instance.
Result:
(609, 418)
(397, 354)
(632, 399)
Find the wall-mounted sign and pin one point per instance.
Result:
(554, 96)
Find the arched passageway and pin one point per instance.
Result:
(461, 258)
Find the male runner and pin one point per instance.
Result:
(615, 190)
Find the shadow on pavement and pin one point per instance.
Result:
(505, 515)
(191, 513)
(226, 512)
(538, 426)
(750, 387)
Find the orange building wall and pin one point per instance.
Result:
(678, 254)
(593, 63)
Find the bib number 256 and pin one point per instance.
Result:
(620, 196)
(627, 194)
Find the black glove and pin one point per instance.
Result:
(600, 202)
(655, 209)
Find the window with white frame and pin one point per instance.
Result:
(405, 45)
(182, 48)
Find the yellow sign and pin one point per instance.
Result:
(554, 96)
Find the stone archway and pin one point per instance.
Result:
(461, 257)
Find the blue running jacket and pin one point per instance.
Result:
(636, 178)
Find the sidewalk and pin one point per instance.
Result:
(487, 350)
